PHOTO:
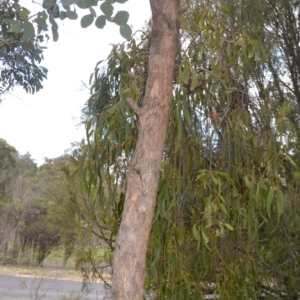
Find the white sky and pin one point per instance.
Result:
(45, 124)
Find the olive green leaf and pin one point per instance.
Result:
(72, 15)
(126, 31)
(68, 2)
(121, 18)
(93, 12)
(16, 26)
(28, 30)
(86, 21)
(54, 34)
(24, 13)
(107, 9)
(82, 4)
(100, 22)
(48, 3)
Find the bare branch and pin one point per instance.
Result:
(134, 106)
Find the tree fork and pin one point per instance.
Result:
(144, 169)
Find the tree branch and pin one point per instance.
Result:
(134, 106)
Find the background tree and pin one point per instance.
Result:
(30, 228)
(42, 220)
(9, 216)
(38, 231)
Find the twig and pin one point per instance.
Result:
(134, 106)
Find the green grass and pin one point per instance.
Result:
(56, 257)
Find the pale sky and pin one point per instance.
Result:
(45, 124)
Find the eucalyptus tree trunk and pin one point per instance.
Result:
(144, 169)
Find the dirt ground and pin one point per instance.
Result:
(51, 273)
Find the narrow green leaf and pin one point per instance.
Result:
(100, 22)
(153, 272)
(280, 204)
(208, 217)
(180, 76)
(290, 160)
(206, 240)
(126, 31)
(228, 226)
(164, 212)
(28, 30)
(185, 74)
(186, 112)
(223, 208)
(179, 133)
(93, 12)
(215, 180)
(247, 181)
(91, 78)
(194, 80)
(126, 131)
(180, 237)
(195, 232)
(53, 22)
(54, 11)
(121, 18)
(269, 201)
(54, 34)
(86, 21)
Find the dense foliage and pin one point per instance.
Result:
(224, 221)
(22, 34)
(29, 226)
(20, 50)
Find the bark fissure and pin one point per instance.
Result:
(144, 169)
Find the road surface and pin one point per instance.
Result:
(28, 288)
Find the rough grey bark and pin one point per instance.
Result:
(143, 173)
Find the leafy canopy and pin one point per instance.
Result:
(224, 213)
(21, 34)
(54, 10)
(20, 50)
